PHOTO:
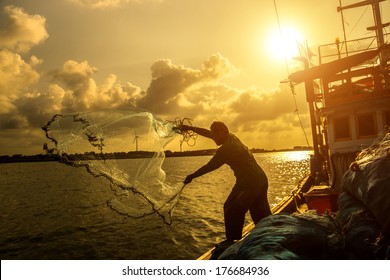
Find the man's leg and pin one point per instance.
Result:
(234, 213)
(260, 208)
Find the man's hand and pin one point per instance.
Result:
(188, 179)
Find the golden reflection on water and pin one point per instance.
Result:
(296, 155)
(284, 170)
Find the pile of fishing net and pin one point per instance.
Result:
(364, 206)
(288, 237)
(359, 230)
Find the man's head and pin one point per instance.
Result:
(219, 132)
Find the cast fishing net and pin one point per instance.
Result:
(96, 140)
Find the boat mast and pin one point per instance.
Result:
(378, 27)
(342, 20)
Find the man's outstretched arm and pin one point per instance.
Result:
(201, 131)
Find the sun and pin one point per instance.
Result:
(284, 44)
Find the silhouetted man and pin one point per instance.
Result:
(250, 189)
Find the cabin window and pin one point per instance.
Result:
(386, 121)
(366, 125)
(342, 129)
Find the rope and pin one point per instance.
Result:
(189, 136)
(298, 114)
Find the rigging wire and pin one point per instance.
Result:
(357, 22)
(292, 88)
(388, 39)
(296, 110)
(353, 28)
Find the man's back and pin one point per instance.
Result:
(240, 159)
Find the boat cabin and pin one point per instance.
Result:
(349, 98)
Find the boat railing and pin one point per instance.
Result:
(333, 51)
(355, 85)
(359, 82)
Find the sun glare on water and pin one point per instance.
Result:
(297, 156)
(284, 44)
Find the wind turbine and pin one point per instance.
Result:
(136, 137)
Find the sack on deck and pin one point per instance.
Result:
(371, 186)
(284, 236)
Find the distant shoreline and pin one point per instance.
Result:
(126, 155)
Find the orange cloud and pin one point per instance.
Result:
(22, 31)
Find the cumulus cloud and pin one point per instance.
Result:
(73, 89)
(36, 108)
(216, 67)
(27, 102)
(173, 86)
(21, 31)
(15, 76)
(256, 104)
(174, 90)
(168, 81)
(82, 93)
(268, 113)
(201, 95)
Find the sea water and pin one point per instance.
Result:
(49, 210)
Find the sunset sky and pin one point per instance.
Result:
(204, 60)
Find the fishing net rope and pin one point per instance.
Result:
(380, 149)
(95, 140)
(189, 136)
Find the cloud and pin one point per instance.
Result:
(27, 101)
(216, 67)
(73, 89)
(174, 86)
(201, 94)
(16, 75)
(82, 93)
(38, 107)
(21, 31)
(269, 113)
(29, 98)
(73, 74)
(174, 90)
(256, 104)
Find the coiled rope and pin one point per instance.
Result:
(189, 136)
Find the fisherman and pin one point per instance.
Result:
(250, 189)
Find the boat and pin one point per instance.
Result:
(348, 94)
